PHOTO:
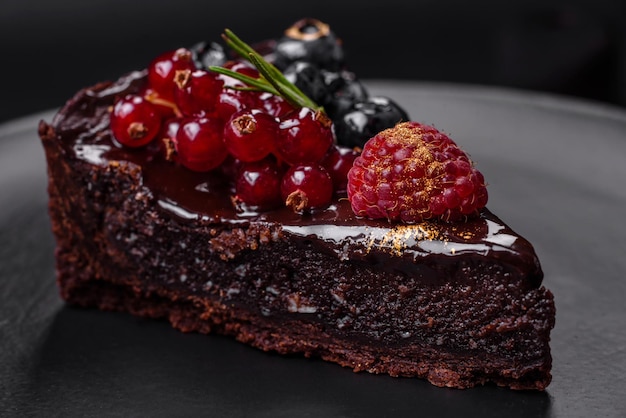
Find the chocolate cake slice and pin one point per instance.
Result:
(457, 303)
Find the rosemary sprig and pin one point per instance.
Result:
(271, 80)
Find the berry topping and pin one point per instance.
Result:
(275, 105)
(250, 121)
(162, 71)
(306, 187)
(413, 172)
(308, 78)
(258, 184)
(345, 91)
(199, 143)
(366, 118)
(338, 162)
(206, 54)
(135, 121)
(230, 101)
(170, 128)
(240, 67)
(249, 134)
(309, 40)
(197, 91)
(304, 137)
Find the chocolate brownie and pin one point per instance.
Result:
(460, 304)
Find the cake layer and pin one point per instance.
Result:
(459, 304)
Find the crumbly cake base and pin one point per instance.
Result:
(305, 338)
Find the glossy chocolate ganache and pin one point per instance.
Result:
(457, 303)
(192, 196)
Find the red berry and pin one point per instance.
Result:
(242, 67)
(135, 121)
(162, 70)
(170, 129)
(258, 184)
(165, 108)
(306, 186)
(199, 143)
(198, 91)
(338, 161)
(249, 134)
(230, 168)
(167, 137)
(275, 105)
(304, 137)
(230, 101)
(414, 172)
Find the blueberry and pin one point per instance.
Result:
(367, 118)
(308, 78)
(345, 90)
(309, 40)
(206, 54)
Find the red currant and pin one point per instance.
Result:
(239, 67)
(230, 168)
(338, 162)
(258, 184)
(135, 121)
(167, 145)
(199, 143)
(304, 137)
(306, 186)
(197, 91)
(170, 129)
(165, 107)
(275, 105)
(231, 101)
(249, 134)
(162, 70)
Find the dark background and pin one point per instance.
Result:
(50, 49)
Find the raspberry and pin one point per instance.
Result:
(413, 172)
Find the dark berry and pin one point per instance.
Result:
(249, 134)
(345, 90)
(199, 143)
(135, 121)
(306, 187)
(308, 78)
(366, 119)
(206, 54)
(309, 40)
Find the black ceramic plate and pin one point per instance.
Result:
(556, 170)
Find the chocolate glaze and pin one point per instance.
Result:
(190, 197)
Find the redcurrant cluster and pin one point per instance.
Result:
(281, 154)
